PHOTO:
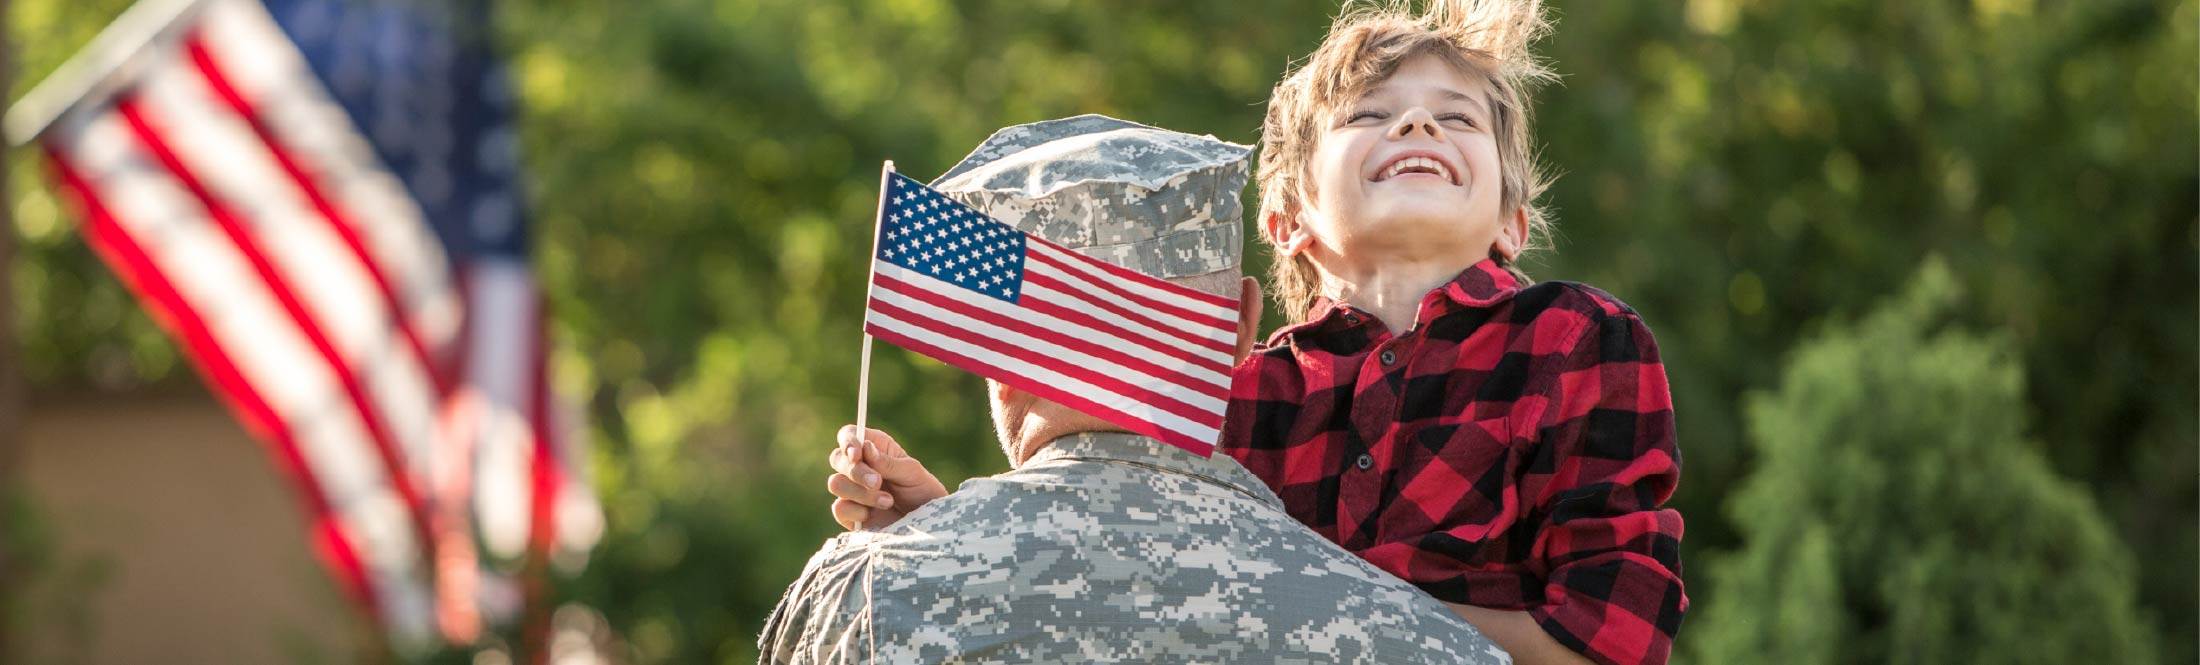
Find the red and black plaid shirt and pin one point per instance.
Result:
(1514, 450)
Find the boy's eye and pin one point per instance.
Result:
(1364, 115)
(1459, 118)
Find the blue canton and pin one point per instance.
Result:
(422, 82)
(932, 234)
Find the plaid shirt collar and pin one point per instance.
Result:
(1482, 285)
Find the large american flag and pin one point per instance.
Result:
(318, 200)
(1142, 353)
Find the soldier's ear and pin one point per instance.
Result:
(1248, 323)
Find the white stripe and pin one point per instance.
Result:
(499, 365)
(1107, 398)
(1152, 331)
(1189, 395)
(1083, 264)
(1118, 341)
(266, 70)
(186, 248)
(337, 293)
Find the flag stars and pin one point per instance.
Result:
(944, 239)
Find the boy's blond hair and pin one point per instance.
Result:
(1489, 39)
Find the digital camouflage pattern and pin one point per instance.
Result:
(1108, 547)
(1160, 202)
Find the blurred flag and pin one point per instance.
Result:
(318, 199)
(1137, 351)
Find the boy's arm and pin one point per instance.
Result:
(1516, 632)
(1613, 589)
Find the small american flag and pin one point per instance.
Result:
(1139, 352)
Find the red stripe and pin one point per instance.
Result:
(1052, 336)
(549, 472)
(400, 478)
(336, 221)
(1135, 276)
(1050, 308)
(168, 307)
(1133, 296)
(1043, 279)
(545, 475)
(1100, 380)
(1044, 391)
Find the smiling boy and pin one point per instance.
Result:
(1506, 447)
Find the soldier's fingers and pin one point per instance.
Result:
(863, 473)
(850, 514)
(885, 442)
(847, 488)
(845, 460)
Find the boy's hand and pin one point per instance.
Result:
(875, 482)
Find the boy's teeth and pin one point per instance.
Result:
(1421, 163)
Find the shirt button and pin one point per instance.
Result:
(1390, 357)
(1364, 462)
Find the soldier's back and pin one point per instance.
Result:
(1108, 548)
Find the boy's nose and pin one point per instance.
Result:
(1416, 120)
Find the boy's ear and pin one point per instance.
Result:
(1282, 229)
(1512, 234)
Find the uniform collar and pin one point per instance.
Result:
(1482, 285)
(1152, 453)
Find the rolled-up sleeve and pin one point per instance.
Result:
(1609, 548)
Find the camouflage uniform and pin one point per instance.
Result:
(1110, 546)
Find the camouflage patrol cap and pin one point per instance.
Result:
(1159, 202)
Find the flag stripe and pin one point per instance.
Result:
(501, 307)
(1011, 353)
(1078, 267)
(1105, 329)
(337, 221)
(168, 307)
(991, 347)
(1225, 307)
(267, 72)
(1047, 384)
(337, 293)
(247, 365)
(399, 475)
(1073, 342)
(1104, 375)
(1045, 287)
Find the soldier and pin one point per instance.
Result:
(1101, 545)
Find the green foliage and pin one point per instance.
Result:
(1898, 515)
(705, 172)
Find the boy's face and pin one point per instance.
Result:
(1411, 166)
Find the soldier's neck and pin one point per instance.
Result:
(1047, 421)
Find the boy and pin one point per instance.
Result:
(1505, 447)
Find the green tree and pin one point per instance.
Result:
(1899, 515)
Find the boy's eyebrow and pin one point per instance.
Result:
(1447, 94)
(1457, 96)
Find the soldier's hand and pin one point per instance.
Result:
(875, 482)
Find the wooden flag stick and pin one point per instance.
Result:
(863, 377)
